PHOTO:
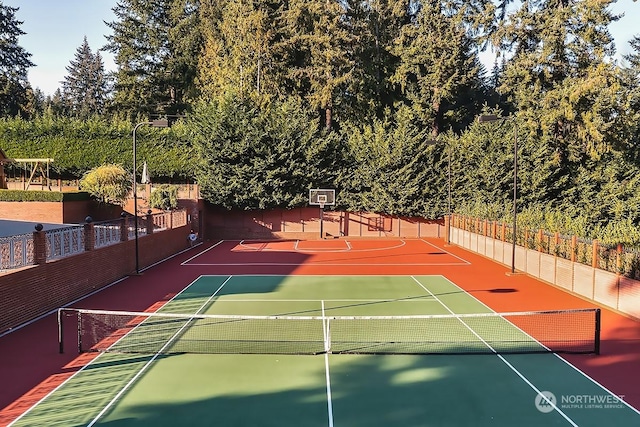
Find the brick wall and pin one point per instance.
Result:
(47, 212)
(73, 212)
(305, 223)
(28, 293)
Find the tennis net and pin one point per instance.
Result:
(557, 331)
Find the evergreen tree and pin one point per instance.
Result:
(634, 57)
(561, 62)
(139, 42)
(155, 43)
(255, 156)
(84, 88)
(35, 102)
(317, 48)
(438, 60)
(391, 168)
(185, 42)
(54, 104)
(631, 82)
(238, 55)
(377, 24)
(14, 63)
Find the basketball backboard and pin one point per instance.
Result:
(322, 197)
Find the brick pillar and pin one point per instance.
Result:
(574, 244)
(124, 231)
(447, 228)
(39, 246)
(619, 258)
(89, 237)
(149, 220)
(540, 245)
(594, 254)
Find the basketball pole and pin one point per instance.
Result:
(321, 220)
(320, 198)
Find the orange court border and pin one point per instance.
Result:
(307, 254)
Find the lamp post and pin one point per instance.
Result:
(449, 192)
(493, 118)
(160, 123)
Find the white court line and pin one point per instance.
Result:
(93, 361)
(584, 374)
(506, 362)
(155, 356)
(200, 253)
(90, 363)
(350, 249)
(447, 252)
(325, 331)
(297, 248)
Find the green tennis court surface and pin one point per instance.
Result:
(168, 383)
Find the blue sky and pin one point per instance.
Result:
(55, 29)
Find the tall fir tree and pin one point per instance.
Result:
(561, 77)
(185, 42)
(154, 43)
(84, 88)
(378, 24)
(631, 81)
(438, 59)
(14, 64)
(561, 81)
(238, 52)
(317, 48)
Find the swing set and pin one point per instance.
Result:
(37, 169)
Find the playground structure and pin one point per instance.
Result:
(3, 160)
(37, 170)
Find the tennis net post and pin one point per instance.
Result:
(60, 332)
(596, 339)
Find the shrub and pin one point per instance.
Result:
(107, 184)
(164, 197)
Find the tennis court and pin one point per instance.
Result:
(318, 350)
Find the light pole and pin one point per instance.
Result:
(494, 118)
(159, 123)
(449, 192)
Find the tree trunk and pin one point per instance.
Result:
(328, 120)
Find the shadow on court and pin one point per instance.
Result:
(366, 391)
(31, 359)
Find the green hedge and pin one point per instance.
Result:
(42, 196)
(77, 146)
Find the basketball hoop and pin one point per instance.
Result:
(322, 197)
(322, 200)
